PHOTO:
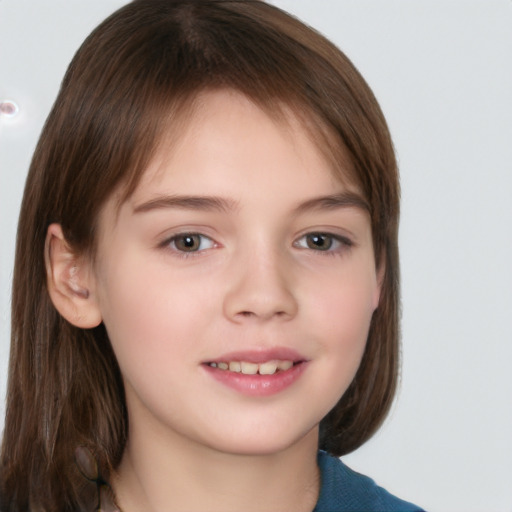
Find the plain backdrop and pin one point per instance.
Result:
(442, 72)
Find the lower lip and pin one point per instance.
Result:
(258, 385)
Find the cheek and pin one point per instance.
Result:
(349, 321)
(150, 316)
(345, 304)
(342, 315)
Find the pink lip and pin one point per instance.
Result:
(259, 385)
(261, 356)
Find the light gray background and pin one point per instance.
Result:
(443, 74)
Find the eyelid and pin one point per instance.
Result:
(170, 241)
(341, 242)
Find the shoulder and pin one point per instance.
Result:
(342, 489)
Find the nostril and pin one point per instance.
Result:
(252, 313)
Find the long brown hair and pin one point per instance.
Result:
(123, 89)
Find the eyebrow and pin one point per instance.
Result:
(203, 203)
(333, 202)
(220, 204)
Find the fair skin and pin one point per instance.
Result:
(238, 246)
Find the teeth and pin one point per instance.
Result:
(249, 368)
(284, 365)
(267, 368)
(235, 366)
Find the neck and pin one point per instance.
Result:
(159, 475)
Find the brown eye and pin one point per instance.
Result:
(324, 242)
(319, 241)
(190, 242)
(187, 243)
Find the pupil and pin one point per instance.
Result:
(188, 243)
(322, 242)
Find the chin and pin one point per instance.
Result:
(257, 444)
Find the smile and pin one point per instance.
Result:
(258, 373)
(248, 368)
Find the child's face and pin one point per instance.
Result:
(225, 253)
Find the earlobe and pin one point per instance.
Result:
(70, 281)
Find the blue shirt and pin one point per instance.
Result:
(344, 490)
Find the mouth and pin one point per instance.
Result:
(258, 373)
(249, 368)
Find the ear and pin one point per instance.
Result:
(70, 281)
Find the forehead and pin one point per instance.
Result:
(224, 129)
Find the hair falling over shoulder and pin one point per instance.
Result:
(132, 77)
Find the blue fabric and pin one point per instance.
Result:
(345, 490)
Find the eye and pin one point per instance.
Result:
(190, 242)
(325, 242)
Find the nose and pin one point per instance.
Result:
(260, 288)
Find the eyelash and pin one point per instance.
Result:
(337, 243)
(170, 243)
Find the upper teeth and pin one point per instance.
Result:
(267, 368)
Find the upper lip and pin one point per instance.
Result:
(258, 356)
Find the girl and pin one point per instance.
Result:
(206, 280)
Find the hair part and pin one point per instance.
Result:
(130, 82)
